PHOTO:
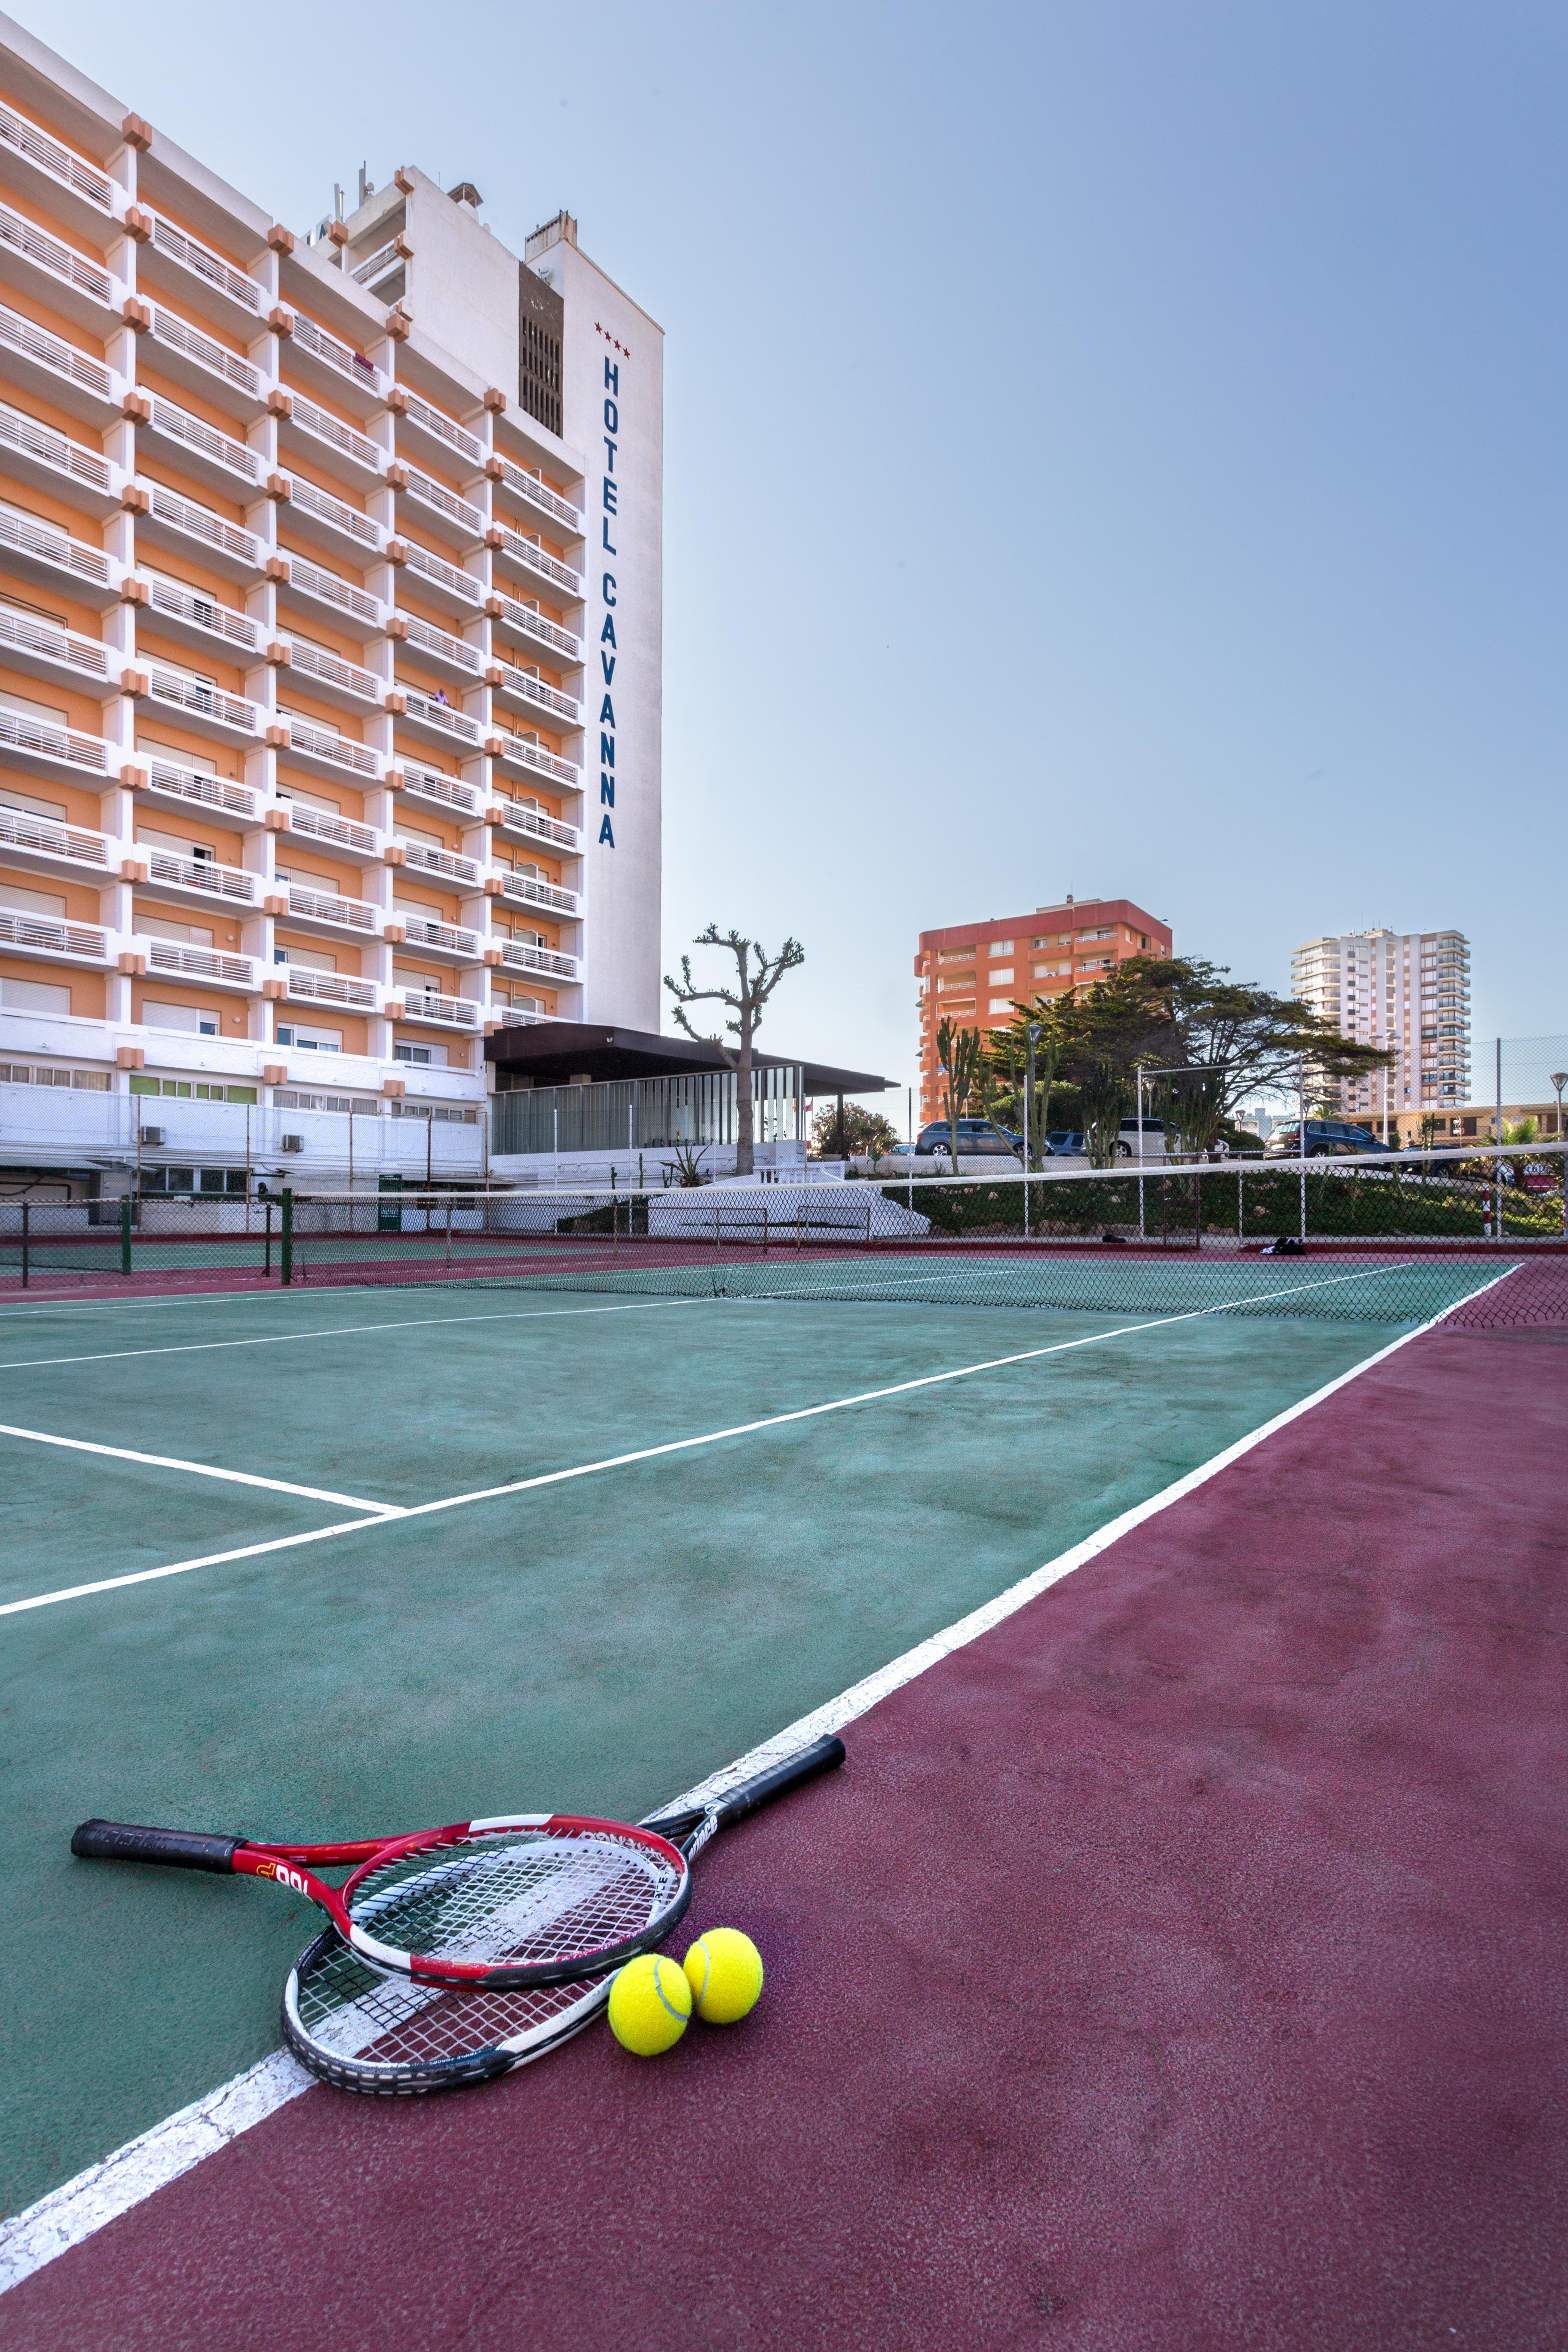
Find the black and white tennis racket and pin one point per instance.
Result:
(363, 2029)
(517, 1901)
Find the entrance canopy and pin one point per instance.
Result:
(568, 1053)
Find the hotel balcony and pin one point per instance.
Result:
(520, 955)
(199, 621)
(384, 273)
(35, 935)
(50, 461)
(327, 522)
(441, 434)
(517, 756)
(203, 710)
(519, 690)
(304, 987)
(58, 751)
(193, 273)
(321, 910)
(192, 530)
(322, 753)
(444, 864)
(529, 622)
(306, 588)
(40, 550)
(440, 511)
(531, 562)
(332, 679)
(513, 1016)
(528, 890)
(59, 182)
(42, 844)
(520, 819)
(343, 834)
(168, 958)
(168, 785)
(449, 793)
(431, 1010)
(333, 369)
(205, 367)
(56, 275)
(198, 881)
(434, 650)
(440, 722)
(450, 941)
(56, 372)
(539, 497)
(42, 649)
(441, 584)
(330, 443)
(193, 446)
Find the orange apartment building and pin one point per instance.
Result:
(974, 973)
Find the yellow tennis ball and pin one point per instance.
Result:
(724, 1970)
(650, 2003)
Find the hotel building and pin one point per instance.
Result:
(330, 657)
(1405, 990)
(974, 973)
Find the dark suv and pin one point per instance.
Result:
(977, 1138)
(1326, 1139)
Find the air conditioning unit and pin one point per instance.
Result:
(154, 1136)
(292, 1143)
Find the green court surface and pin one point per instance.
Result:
(599, 1642)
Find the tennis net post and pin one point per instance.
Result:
(286, 1238)
(126, 1236)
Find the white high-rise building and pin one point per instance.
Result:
(1405, 990)
(330, 653)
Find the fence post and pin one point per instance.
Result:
(23, 1245)
(286, 1239)
(125, 1234)
(267, 1261)
(1497, 1221)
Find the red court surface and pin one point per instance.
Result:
(1180, 1965)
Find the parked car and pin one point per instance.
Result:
(1539, 1177)
(1327, 1138)
(1154, 1144)
(977, 1138)
(1066, 1144)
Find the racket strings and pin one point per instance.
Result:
(347, 2009)
(531, 1901)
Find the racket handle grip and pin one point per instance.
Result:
(824, 1755)
(124, 1841)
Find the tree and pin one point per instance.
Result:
(863, 1131)
(958, 1058)
(754, 983)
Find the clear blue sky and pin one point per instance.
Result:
(1111, 447)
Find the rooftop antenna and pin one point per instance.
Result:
(336, 202)
(366, 186)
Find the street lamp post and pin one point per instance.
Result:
(1031, 1031)
(1560, 1080)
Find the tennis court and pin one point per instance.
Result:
(580, 1538)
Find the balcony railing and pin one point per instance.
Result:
(442, 429)
(530, 689)
(198, 964)
(445, 575)
(451, 650)
(71, 842)
(202, 874)
(538, 823)
(312, 581)
(60, 360)
(424, 859)
(60, 262)
(21, 634)
(448, 791)
(331, 670)
(357, 758)
(449, 938)
(195, 435)
(539, 494)
(469, 521)
(209, 267)
(196, 611)
(520, 753)
(196, 699)
(227, 366)
(441, 716)
(33, 737)
(429, 1004)
(25, 138)
(534, 558)
(56, 451)
(317, 905)
(351, 365)
(193, 784)
(306, 500)
(331, 988)
(75, 939)
(521, 955)
(530, 890)
(513, 1016)
(336, 435)
(531, 622)
(199, 523)
(341, 832)
(380, 264)
(47, 543)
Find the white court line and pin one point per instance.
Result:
(341, 1330)
(624, 1461)
(81, 2206)
(204, 1470)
